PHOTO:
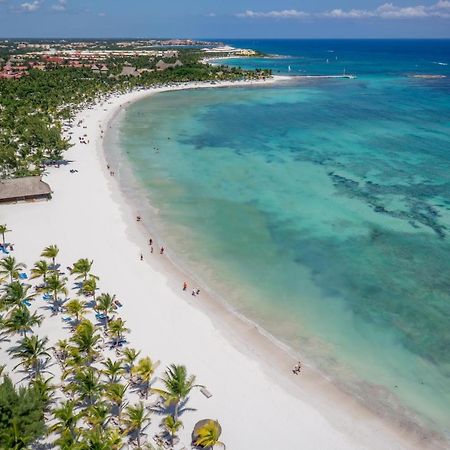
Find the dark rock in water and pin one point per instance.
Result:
(375, 234)
(380, 209)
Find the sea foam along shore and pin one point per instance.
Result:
(258, 407)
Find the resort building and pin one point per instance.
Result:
(129, 71)
(161, 65)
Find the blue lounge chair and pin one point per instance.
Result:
(66, 319)
(23, 276)
(26, 302)
(47, 296)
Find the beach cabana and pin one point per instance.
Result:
(24, 189)
(162, 65)
(129, 71)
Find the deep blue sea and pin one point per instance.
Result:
(320, 209)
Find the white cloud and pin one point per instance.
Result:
(386, 11)
(60, 5)
(30, 7)
(284, 14)
(351, 14)
(442, 4)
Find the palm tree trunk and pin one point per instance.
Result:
(175, 413)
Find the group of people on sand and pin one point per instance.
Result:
(195, 292)
(112, 173)
(297, 368)
(150, 243)
(83, 140)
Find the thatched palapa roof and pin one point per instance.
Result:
(162, 65)
(23, 189)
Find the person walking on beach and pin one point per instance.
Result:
(193, 292)
(197, 291)
(150, 242)
(151, 249)
(161, 252)
(142, 257)
(185, 286)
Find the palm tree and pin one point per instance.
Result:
(51, 252)
(206, 434)
(21, 321)
(172, 426)
(117, 329)
(88, 385)
(62, 350)
(40, 269)
(82, 268)
(105, 304)
(15, 294)
(67, 420)
(86, 338)
(3, 230)
(113, 370)
(129, 357)
(33, 352)
(99, 439)
(115, 393)
(10, 267)
(75, 308)
(97, 415)
(90, 286)
(56, 285)
(137, 420)
(145, 369)
(114, 439)
(177, 386)
(45, 389)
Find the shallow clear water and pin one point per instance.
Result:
(319, 209)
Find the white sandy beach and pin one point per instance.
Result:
(258, 407)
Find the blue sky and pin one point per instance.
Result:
(226, 18)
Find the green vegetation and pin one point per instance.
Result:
(90, 390)
(33, 108)
(21, 415)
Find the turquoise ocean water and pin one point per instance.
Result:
(319, 209)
